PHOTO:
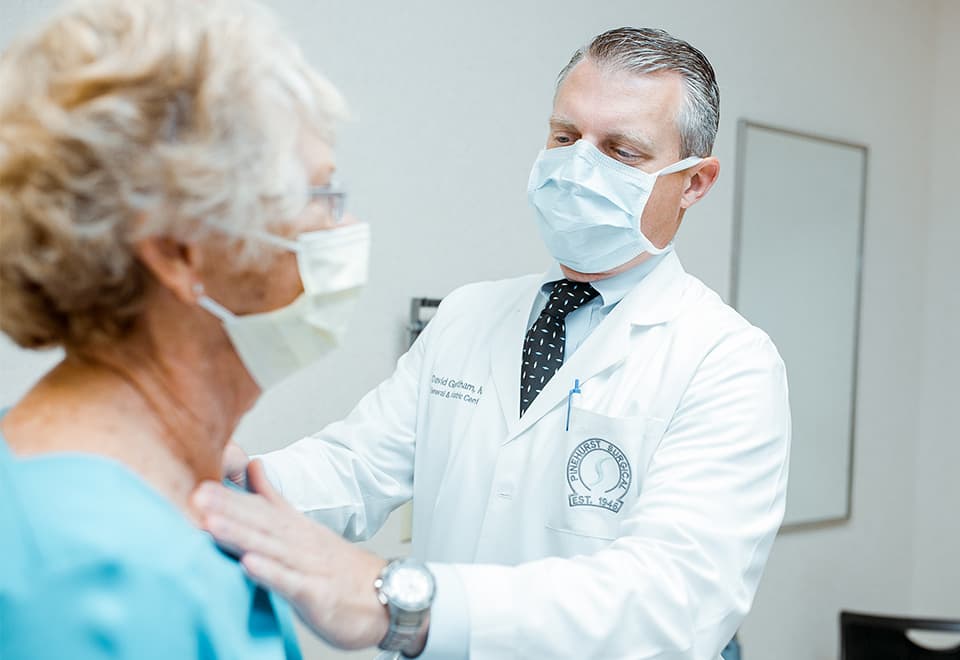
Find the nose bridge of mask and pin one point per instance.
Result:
(618, 183)
(583, 160)
(590, 153)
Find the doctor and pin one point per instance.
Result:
(597, 456)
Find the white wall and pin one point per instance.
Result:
(449, 106)
(936, 438)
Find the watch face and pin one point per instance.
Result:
(411, 588)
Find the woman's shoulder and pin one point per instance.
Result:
(79, 510)
(133, 610)
(94, 552)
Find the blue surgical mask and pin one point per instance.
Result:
(589, 206)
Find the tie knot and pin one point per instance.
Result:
(567, 296)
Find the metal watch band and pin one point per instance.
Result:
(404, 624)
(404, 627)
(399, 635)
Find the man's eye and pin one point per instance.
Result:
(626, 155)
(562, 139)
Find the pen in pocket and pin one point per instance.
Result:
(575, 390)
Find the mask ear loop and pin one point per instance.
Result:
(681, 165)
(260, 235)
(267, 237)
(212, 306)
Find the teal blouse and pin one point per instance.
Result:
(95, 564)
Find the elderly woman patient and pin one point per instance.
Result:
(167, 218)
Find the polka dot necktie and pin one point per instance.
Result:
(543, 346)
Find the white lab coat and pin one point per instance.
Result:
(646, 542)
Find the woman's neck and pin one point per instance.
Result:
(166, 417)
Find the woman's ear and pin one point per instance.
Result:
(704, 176)
(173, 264)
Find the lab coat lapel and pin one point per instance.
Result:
(606, 346)
(506, 355)
(656, 299)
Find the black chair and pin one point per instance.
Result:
(870, 637)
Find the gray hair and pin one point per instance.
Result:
(123, 119)
(648, 50)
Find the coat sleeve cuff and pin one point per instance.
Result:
(270, 470)
(449, 636)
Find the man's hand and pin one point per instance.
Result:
(327, 580)
(235, 462)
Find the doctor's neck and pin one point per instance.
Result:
(577, 276)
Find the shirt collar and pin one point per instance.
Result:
(611, 289)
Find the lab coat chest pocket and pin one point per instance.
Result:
(600, 474)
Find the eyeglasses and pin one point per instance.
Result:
(332, 199)
(327, 201)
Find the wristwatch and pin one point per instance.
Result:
(406, 587)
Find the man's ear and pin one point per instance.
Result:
(173, 264)
(701, 181)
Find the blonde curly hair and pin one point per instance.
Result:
(121, 119)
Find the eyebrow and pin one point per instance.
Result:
(639, 140)
(565, 124)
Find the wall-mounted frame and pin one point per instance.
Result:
(797, 255)
(421, 311)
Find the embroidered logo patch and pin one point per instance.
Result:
(599, 475)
